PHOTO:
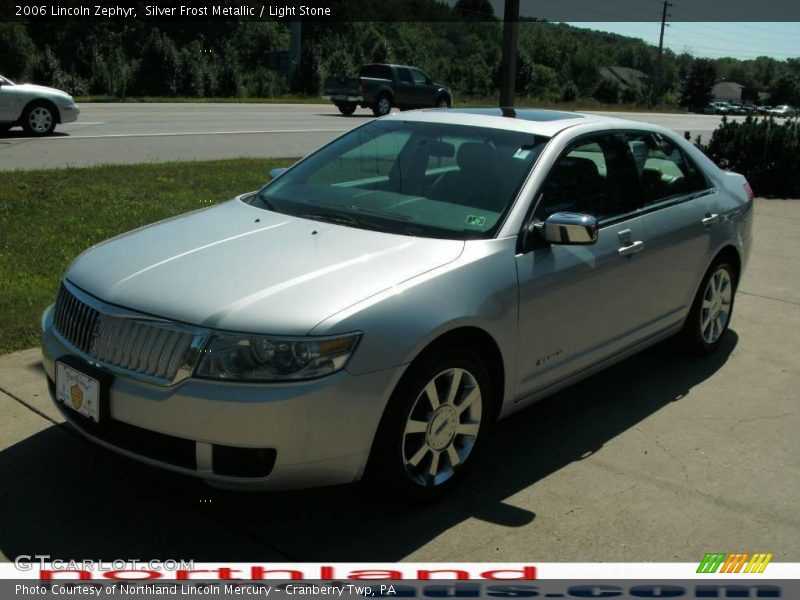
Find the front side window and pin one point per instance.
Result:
(419, 77)
(593, 177)
(664, 171)
(411, 178)
(404, 75)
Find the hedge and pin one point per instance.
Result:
(764, 150)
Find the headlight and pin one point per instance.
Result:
(255, 358)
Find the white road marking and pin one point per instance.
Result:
(131, 135)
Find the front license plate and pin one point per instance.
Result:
(78, 391)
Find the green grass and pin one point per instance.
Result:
(48, 217)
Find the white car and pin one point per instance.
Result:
(784, 110)
(37, 109)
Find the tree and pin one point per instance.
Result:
(17, 52)
(697, 89)
(606, 91)
(159, 67)
(785, 90)
(471, 10)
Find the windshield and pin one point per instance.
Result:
(411, 178)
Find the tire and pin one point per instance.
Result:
(4, 128)
(39, 118)
(382, 106)
(442, 102)
(712, 309)
(421, 452)
(346, 108)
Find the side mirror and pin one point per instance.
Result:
(277, 172)
(569, 228)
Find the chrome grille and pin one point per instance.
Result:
(146, 347)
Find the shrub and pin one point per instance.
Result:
(764, 150)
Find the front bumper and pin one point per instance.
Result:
(310, 433)
(69, 114)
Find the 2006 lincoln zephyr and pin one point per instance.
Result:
(373, 309)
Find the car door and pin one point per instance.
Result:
(580, 304)
(680, 210)
(404, 88)
(423, 88)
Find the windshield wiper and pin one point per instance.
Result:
(380, 213)
(330, 218)
(348, 221)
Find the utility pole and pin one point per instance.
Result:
(664, 15)
(508, 64)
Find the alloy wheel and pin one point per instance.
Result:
(716, 309)
(442, 427)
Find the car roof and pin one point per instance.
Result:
(528, 120)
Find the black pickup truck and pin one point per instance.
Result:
(380, 87)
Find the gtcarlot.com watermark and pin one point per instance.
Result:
(28, 562)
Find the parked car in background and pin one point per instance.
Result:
(371, 311)
(763, 109)
(381, 87)
(784, 110)
(737, 108)
(37, 109)
(718, 108)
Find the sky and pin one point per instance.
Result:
(714, 40)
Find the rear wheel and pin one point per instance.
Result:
(382, 106)
(434, 426)
(39, 118)
(712, 309)
(346, 108)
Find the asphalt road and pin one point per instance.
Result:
(135, 133)
(663, 457)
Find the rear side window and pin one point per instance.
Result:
(664, 171)
(376, 71)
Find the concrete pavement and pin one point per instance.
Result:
(661, 458)
(134, 133)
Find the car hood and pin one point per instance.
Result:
(241, 268)
(39, 90)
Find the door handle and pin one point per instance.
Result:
(710, 219)
(631, 248)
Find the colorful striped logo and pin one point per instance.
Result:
(736, 562)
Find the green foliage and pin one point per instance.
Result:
(17, 51)
(607, 91)
(697, 90)
(237, 59)
(764, 150)
(785, 90)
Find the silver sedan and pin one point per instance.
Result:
(375, 308)
(37, 109)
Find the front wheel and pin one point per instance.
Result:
(382, 106)
(712, 309)
(39, 119)
(443, 102)
(435, 424)
(346, 108)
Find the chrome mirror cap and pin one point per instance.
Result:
(569, 228)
